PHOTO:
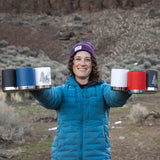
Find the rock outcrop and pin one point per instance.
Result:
(58, 7)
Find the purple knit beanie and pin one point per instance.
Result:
(82, 46)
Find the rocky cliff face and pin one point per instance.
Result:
(56, 7)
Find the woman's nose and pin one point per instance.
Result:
(83, 62)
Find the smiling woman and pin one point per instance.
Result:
(82, 104)
(83, 61)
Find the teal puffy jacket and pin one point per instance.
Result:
(82, 132)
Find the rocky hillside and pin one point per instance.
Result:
(123, 38)
(15, 57)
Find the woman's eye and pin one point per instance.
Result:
(88, 60)
(77, 59)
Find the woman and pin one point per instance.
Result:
(82, 104)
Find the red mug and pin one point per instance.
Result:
(137, 81)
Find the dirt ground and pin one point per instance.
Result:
(131, 141)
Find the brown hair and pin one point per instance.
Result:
(95, 73)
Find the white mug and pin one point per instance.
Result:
(43, 77)
(119, 79)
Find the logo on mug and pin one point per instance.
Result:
(44, 78)
(154, 80)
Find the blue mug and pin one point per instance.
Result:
(25, 78)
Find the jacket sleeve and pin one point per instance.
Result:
(114, 98)
(49, 98)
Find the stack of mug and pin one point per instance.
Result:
(26, 78)
(134, 81)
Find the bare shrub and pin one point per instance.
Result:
(138, 113)
(11, 127)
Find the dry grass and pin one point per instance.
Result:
(2, 96)
(125, 34)
(11, 127)
(16, 97)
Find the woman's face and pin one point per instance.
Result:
(82, 66)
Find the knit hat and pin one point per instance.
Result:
(82, 46)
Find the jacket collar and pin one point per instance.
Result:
(71, 81)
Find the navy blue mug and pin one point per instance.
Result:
(9, 80)
(152, 80)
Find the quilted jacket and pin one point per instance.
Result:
(82, 132)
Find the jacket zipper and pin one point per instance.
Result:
(82, 121)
